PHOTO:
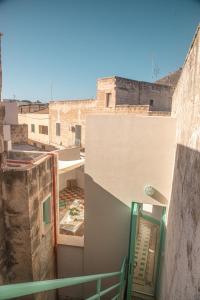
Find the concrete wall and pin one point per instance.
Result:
(132, 151)
(77, 174)
(37, 119)
(70, 264)
(69, 154)
(11, 113)
(123, 153)
(181, 278)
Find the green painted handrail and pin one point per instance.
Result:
(11, 291)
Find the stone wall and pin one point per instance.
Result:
(40, 186)
(181, 278)
(28, 253)
(19, 133)
(17, 226)
(131, 92)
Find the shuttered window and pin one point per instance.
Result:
(58, 129)
(43, 129)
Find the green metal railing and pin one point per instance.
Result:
(11, 291)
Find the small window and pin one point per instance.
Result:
(151, 102)
(32, 127)
(43, 129)
(58, 129)
(108, 100)
(46, 211)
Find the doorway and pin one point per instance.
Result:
(78, 135)
(145, 250)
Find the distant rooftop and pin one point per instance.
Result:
(159, 82)
(171, 79)
(42, 111)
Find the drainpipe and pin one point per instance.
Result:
(55, 216)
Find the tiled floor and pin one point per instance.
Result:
(68, 199)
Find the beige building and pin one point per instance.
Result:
(38, 125)
(66, 120)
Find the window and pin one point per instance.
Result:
(32, 127)
(46, 214)
(58, 129)
(43, 129)
(151, 102)
(108, 100)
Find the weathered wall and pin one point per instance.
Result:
(181, 278)
(29, 251)
(3, 261)
(37, 119)
(40, 186)
(123, 153)
(17, 226)
(19, 134)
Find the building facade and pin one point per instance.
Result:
(64, 122)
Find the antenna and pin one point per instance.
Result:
(155, 69)
(1, 34)
(51, 90)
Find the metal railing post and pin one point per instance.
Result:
(99, 288)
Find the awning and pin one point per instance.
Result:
(68, 165)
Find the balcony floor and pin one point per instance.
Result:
(68, 199)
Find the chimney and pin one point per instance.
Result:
(0, 70)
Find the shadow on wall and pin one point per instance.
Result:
(181, 278)
(107, 226)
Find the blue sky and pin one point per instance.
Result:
(68, 44)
